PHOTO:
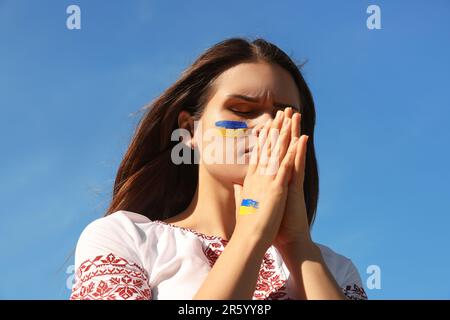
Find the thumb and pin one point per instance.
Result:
(237, 195)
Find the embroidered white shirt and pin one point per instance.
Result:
(125, 255)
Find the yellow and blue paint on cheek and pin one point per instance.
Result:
(248, 206)
(231, 128)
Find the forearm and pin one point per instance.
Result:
(235, 273)
(310, 277)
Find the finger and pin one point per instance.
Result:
(285, 171)
(261, 143)
(255, 154)
(288, 112)
(253, 159)
(256, 129)
(299, 163)
(253, 143)
(282, 144)
(296, 122)
(266, 142)
(274, 132)
(263, 133)
(252, 137)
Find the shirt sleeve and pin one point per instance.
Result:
(107, 264)
(345, 274)
(352, 286)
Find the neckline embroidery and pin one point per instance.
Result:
(197, 233)
(271, 283)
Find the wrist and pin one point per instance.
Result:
(250, 240)
(300, 250)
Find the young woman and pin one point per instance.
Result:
(226, 212)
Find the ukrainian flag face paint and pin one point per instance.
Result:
(231, 129)
(248, 206)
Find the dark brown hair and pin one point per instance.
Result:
(148, 182)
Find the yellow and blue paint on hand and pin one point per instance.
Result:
(248, 206)
(231, 128)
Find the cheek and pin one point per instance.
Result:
(224, 139)
(224, 151)
(224, 157)
(231, 128)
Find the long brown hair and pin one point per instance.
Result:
(148, 182)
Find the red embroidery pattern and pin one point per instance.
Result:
(354, 292)
(269, 286)
(108, 277)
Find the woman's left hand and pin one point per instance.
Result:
(294, 227)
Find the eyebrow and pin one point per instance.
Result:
(257, 99)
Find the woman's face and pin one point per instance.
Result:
(246, 95)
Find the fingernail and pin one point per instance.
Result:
(279, 113)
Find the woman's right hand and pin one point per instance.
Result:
(266, 182)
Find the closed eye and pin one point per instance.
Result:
(252, 112)
(242, 112)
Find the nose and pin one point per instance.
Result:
(261, 120)
(256, 124)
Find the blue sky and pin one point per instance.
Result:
(382, 137)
